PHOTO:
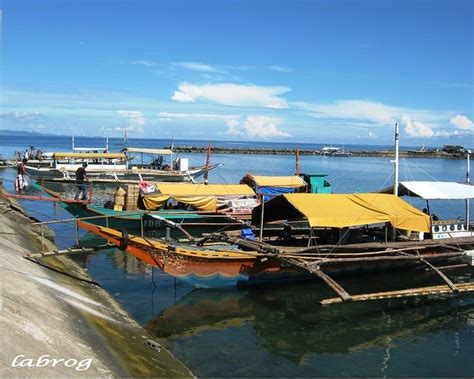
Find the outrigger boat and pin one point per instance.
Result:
(109, 168)
(197, 209)
(352, 230)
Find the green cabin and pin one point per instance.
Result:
(317, 183)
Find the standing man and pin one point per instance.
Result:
(81, 179)
(21, 178)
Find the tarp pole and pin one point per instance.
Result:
(297, 153)
(468, 180)
(262, 213)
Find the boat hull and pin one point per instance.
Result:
(198, 267)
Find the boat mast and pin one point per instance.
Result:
(468, 181)
(208, 163)
(72, 143)
(395, 184)
(297, 153)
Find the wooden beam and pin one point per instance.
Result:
(422, 291)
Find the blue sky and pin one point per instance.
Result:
(298, 71)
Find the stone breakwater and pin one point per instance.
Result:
(345, 153)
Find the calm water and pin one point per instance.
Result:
(282, 331)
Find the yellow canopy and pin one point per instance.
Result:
(205, 189)
(201, 196)
(89, 155)
(149, 151)
(201, 203)
(346, 210)
(278, 181)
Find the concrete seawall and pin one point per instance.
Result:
(54, 316)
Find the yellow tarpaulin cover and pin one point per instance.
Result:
(278, 181)
(345, 210)
(201, 203)
(202, 197)
(205, 189)
(149, 151)
(89, 155)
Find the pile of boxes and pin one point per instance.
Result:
(131, 198)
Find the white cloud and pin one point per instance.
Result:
(22, 116)
(233, 94)
(256, 126)
(135, 119)
(377, 113)
(145, 63)
(196, 66)
(416, 129)
(372, 135)
(462, 122)
(169, 116)
(280, 69)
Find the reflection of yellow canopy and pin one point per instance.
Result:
(205, 189)
(278, 181)
(149, 151)
(345, 210)
(201, 196)
(89, 155)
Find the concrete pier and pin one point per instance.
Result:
(54, 325)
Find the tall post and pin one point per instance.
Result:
(208, 163)
(395, 184)
(468, 180)
(107, 144)
(73, 143)
(297, 153)
(262, 213)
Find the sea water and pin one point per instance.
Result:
(282, 330)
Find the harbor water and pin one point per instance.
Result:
(282, 330)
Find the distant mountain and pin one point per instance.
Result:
(7, 132)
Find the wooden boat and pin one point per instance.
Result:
(223, 260)
(116, 167)
(203, 209)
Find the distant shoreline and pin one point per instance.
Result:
(344, 153)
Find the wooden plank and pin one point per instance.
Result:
(421, 291)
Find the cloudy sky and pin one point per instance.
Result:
(328, 71)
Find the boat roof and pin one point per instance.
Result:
(89, 155)
(432, 190)
(277, 181)
(205, 189)
(344, 210)
(149, 151)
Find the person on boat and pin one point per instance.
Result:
(81, 179)
(21, 182)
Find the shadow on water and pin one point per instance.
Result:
(283, 331)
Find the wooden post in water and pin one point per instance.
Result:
(42, 238)
(76, 231)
